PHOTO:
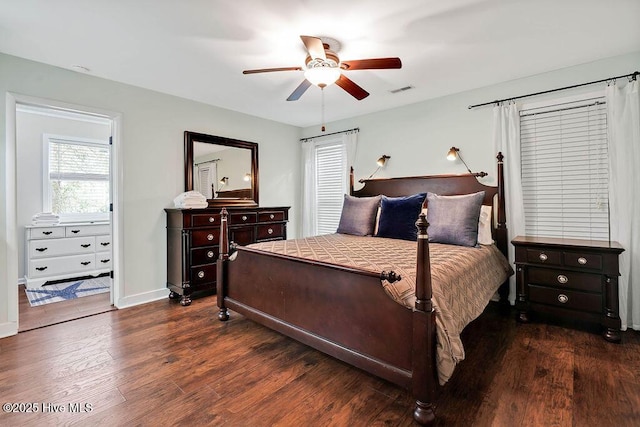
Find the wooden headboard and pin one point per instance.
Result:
(445, 185)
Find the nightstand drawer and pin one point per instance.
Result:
(565, 279)
(543, 256)
(583, 260)
(566, 298)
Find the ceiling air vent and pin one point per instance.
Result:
(402, 89)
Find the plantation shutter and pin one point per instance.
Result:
(565, 170)
(330, 166)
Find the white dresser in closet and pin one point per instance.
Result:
(66, 251)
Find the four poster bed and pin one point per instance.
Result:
(342, 303)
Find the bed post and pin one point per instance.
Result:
(502, 238)
(424, 376)
(351, 181)
(221, 265)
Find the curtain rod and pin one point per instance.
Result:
(633, 75)
(327, 134)
(207, 161)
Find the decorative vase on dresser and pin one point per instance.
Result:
(570, 278)
(193, 236)
(65, 251)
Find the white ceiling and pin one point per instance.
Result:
(197, 49)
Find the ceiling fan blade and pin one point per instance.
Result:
(269, 70)
(314, 47)
(353, 89)
(371, 64)
(302, 88)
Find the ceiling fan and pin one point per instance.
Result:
(323, 67)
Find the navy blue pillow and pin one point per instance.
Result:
(398, 216)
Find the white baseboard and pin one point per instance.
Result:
(22, 281)
(142, 298)
(8, 329)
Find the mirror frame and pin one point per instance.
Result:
(191, 137)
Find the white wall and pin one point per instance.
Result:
(418, 136)
(152, 171)
(30, 128)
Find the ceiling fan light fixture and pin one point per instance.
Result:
(322, 75)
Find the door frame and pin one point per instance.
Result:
(13, 99)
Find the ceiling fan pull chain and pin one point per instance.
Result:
(322, 118)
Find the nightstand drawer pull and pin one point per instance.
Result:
(543, 257)
(272, 216)
(582, 260)
(270, 231)
(244, 217)
(210, 254)
(201, 274)
(209, 236)
(562, 279)
(212, 219)
(563, 298)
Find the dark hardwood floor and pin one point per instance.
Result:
(164, 364)
(57, 312)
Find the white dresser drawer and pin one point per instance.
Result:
(62, 265)
(103, 243)
(87, 230)
(46, 232)
(46, 248)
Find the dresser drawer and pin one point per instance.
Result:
(207, 220)
(565, 279)
(271, 216)
(543, 256)
(204, 255)
(103, 243)
(242, 218)
(87, 230)
(583, 260)
(207, 237)
(61, 265)
(44, 248)
(566, 298)
(203, 274)
(46, 232)
(270, 231)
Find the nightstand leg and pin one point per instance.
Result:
(521, 297)
(611, 322)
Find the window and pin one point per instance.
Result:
(564, 155)
(76, 178)
(330, 185)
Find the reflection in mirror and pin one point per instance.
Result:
(224, 170)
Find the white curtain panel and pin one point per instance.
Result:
(506, 139)
(350, 147)
(623, 119)
(309, 211)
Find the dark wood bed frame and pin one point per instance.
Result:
(345, 312)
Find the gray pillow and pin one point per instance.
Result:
(454, 219)
(358, 215)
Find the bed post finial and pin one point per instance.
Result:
(221, 267)
(423, 274)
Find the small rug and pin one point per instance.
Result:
(68, 290)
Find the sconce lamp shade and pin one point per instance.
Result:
(383, 160)
(224, 180)
(452, 154)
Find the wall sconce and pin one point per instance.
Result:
(380, 162)
(223, 181)
(247, 177)
(454, 153)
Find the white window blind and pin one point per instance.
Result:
(78, 177)
(330, 186)
(565, 170)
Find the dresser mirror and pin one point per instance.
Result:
(224, 170)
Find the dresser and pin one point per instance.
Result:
(193, 237)
(570, 278)
(65, 251)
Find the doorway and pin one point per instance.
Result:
(65, 166)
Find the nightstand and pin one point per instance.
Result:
(570, 278)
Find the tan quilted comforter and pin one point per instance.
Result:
(463, 279)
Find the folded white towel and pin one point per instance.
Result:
(192, 205)
(191, 197)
